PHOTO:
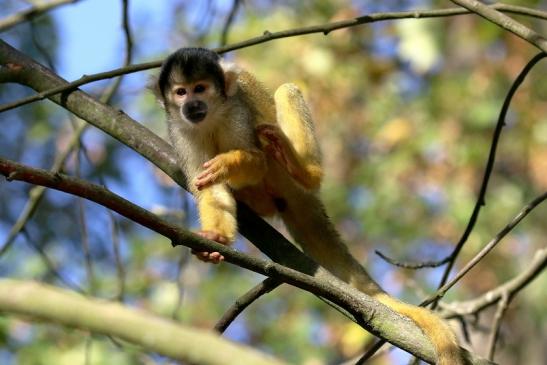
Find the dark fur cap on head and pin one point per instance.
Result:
(193, 64)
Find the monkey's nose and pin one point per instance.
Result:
(195, 111)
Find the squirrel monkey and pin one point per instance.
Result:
(235, 141)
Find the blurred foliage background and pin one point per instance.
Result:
(405, 112)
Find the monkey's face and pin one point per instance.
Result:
(193, 87)
(193, 102)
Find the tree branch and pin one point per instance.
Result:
(505, 22)
(244, 301)
(370, 314)
(481, 200)
(27, 14)
(229, 20)
(498, 317)
(154, 333)
(36, 193)
(512, 287)
(489, 247)
(269, 36)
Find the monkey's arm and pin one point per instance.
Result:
(292, 141)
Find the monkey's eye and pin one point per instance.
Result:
(199, 88)
(180, 91)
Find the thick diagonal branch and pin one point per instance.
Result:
(154, 333)
(370, 314)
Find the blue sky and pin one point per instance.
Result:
(92, 38)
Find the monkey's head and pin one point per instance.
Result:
(192, 85)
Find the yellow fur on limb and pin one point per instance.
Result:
(306, 219)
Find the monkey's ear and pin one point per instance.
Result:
(153, 86)
(230, 82)
(231, 73)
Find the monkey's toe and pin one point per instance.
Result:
(212, 257)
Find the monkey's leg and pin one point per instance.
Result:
(238, 168)
(292, 142)
(217, 213)
(306, 219)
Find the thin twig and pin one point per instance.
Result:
(442, 291)
(371, 351)
(505, 22)
(126, 25)
(229, 21)
(37, 192)
(244, 301)
(502, 308)
(184, 255)
(115, 234)
(450, 259)
(51, 266)
(412, 265)
(84, 234)
(120, 270)
(513, 286)
(489, 247)
(182, 263)
(481, 200)
(27, 14)
(43, 50)
(269, 36)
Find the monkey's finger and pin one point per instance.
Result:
(210, 162)
(205, 179)
(206, 174)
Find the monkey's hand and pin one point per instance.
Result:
(212, 257)
(238, 168)
(277, 145)
(215, 171)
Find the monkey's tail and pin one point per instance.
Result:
(306, 219)
(438, 332)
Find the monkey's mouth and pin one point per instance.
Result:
(194, 111)
(196, 117)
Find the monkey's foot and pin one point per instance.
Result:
(212, 257)
(279, 147)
